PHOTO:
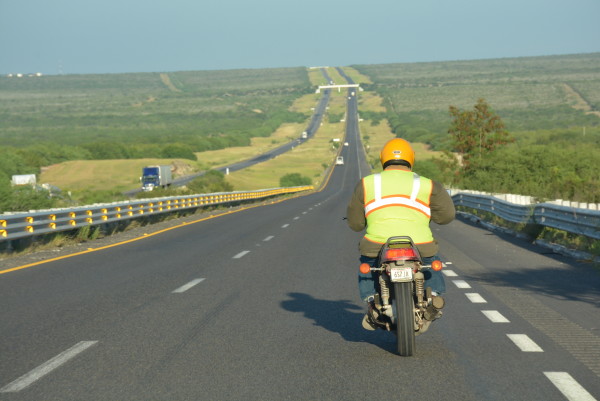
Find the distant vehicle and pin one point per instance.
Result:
(156, 176)
(339, 160)
(304, 135)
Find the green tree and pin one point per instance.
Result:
(476, 132)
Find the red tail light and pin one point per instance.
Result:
(400, 254)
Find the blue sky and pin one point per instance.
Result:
(110, 36)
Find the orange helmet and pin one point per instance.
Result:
(397, 149)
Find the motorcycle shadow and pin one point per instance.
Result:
(341, 316)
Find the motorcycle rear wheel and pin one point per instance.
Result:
(405, 318)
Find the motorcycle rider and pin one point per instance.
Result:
(398, 202)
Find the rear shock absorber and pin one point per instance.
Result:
(420, 288)
(385, 295)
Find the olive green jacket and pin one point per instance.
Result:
(442, 212)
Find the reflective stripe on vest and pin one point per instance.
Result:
(379, 202)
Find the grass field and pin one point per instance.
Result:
(309, 159)
(111, 175)
(527, 93)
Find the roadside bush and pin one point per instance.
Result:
(212, 181)
(23, 198)
(294, 180)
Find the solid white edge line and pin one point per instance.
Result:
(495, 316)
(449, 273)
(569, 386)
(47, 367)
(269, 238)
(525, 343)
(241, 254)
(189, 285)
(461, 284)
(475, 298)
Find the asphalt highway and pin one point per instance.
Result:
(262, 304)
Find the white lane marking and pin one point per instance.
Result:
(285, 225)
(269, 238)
(475, 298)
(296, 218)
(449, 273)
(525, 343)
(569, 386)
(304, 212)
(448, 263)
(495, 316)
(461, 284)
(47, 367)
(241, 254)
(189, 285)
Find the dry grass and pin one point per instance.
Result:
(356, 76)
(223, 157)
(96, 175)
(308, 159)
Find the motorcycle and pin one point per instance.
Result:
(402, 303)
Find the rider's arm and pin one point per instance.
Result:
(356, 209)
(441, 204)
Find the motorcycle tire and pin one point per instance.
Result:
(405, 318)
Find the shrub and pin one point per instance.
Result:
(294, 180)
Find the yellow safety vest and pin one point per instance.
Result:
(397, 203)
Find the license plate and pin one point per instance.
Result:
(401, 274)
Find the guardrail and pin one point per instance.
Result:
(38, 222)
(577, 220)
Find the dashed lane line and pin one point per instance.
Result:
(269, 238)
(461, 284)
(495, 316)
(525, 343)
(187, 286)
(285, 226)
(449, 273)
(241, 254)
(569, 386)
(475, 298)
(47, 367)
(581, 343)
